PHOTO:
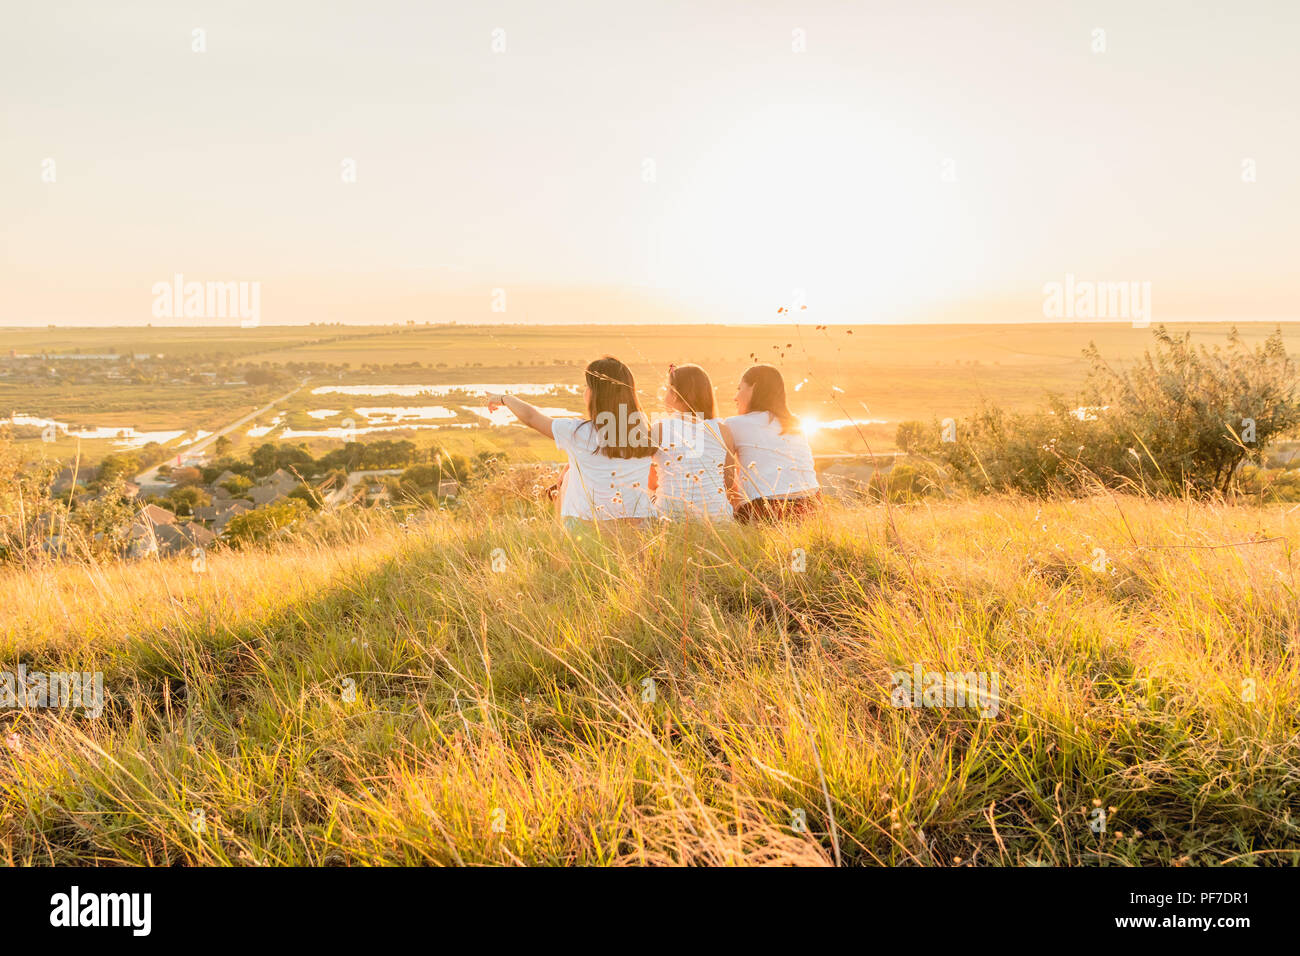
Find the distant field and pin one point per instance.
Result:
(146, 407)
(208, 342)
(864, 373)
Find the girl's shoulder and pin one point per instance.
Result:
(570, 432)
(749, 420)
(678, 422)
(690, 426)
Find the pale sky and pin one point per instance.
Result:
(626, 161)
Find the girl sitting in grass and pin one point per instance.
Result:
(609, 451)
(694, 460)
(777, 478)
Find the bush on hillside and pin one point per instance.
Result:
(307, 495)
(270, 521)
(1182, 418)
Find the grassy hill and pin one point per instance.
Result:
(675, 697)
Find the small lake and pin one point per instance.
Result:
(122, 436)
(390, 418)
(399, 413)
(441, 391)
(503, 415)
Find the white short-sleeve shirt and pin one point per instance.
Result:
(771, 465)
(690, 459)
(599, 487)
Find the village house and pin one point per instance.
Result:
(157, 516)
(282, 480)
(224, 517)
(264, 494)
(180, 538)
(207, 513)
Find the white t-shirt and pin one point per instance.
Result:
(599, 487)
(771, 465)
(690, 462)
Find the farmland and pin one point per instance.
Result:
(875, 376)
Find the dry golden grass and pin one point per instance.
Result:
(500, 717)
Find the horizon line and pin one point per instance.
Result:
(730, 325)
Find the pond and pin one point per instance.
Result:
(122, 436)
(441, 391)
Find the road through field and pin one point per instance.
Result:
(148, 480)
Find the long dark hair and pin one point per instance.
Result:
(769, 395)
(623, 429)
(691, 385)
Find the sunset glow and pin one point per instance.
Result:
(465, 166)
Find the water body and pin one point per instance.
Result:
(503, 415)
(441, 391)
(122, 436)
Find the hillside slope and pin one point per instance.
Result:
(677, 697)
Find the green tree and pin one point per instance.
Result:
(263, 458)
(262, 524)
(185, 500)
(237, 485)
(307, 495)
(105, 518)
(117, 464)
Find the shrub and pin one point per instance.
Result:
(995, 450)
(307, 495)
(1181, 419)
(911, 436)
(269, 521)
(1196, 413)
(124, 464)
(237, 485)
(184, 500)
